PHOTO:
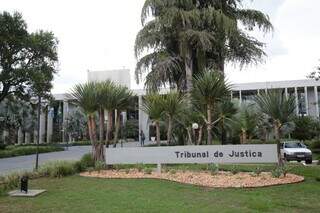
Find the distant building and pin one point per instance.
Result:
(306, 93)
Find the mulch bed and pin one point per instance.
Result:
(220, 180)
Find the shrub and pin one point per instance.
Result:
(58, 169)
(318, 179)
(277, 172)
(139, 167)
(11, 181)
(147, 171)
(87, 161)
(234, 170)
(213, 168)
(172, 172)
(258, 171)
(2, 146)
(79, 167)
(127, 171)
(12, 151)
(100, 165)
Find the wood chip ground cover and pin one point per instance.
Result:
(221, 179)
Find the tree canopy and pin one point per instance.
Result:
(28, 61)
(180, 38)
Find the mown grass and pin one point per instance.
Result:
(80, 194)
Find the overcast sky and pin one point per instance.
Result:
(100, 34)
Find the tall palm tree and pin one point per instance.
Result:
(173, 104)
(85, 96)
(279, 108)
(210, 89)
(152, 105)
(186, 36)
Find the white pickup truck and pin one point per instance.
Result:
(295, 150)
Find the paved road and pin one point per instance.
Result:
(27, 163)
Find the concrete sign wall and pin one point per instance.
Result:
(266, 153)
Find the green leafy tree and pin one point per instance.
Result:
(85, 96)
(210, 89)
(123, 102)
(76, 123)
(184, 37)
(226, 112)
(27, 60)
(279, 108)
(305, 128)
(173, 105)
(152, 105)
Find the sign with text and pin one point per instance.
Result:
(266, 153)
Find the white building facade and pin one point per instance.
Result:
(306, 93)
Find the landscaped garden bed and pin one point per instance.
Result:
(221, 179)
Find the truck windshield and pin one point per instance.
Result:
(295, 145)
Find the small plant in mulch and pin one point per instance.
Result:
(100, 165)
(139, 167)
(147, 171)
(127, 171)
(257, 171)
(285, 169)
(234, 170)
(166, 169)
(90, 170)
(276, 173)
(213, 168)
(173, 172)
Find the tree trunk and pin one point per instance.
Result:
(277, 137)
(93, 129)
(109, 127)
(158, 132)
(89, 129)
(99, 152)
(189, 71)
(117, 124)
(209, 124)
(189, 136)
(244, 136)
(169, 132)
(200, 135)
(101, 125)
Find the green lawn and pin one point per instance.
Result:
(80, 194)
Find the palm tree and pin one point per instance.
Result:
(123, 102)
(186, 36)
(210, 89)
(85, 96)
(279, 108)
(105, 100)
(173, 104)
(152, 105)
(246, 122)
(226, 112)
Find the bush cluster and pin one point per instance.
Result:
(12, 151)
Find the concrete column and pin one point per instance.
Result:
(231, 95)
(297, 101)
(240, 97)
(286, 92)
(316, 98)
(124, 117)
(143, 122)
(65, 116)
(28, 138)
(306, 100)
(42, 126)
(20, 136)
(50, 125)
(258, 92)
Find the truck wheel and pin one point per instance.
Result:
(308, 161)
